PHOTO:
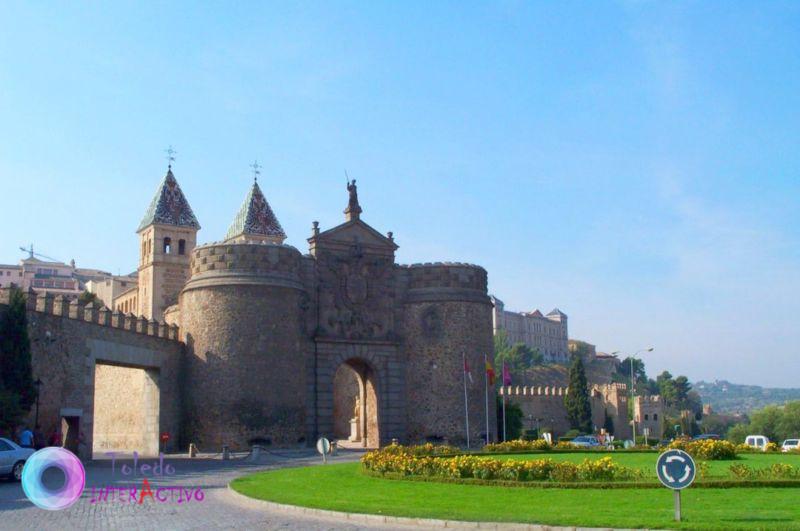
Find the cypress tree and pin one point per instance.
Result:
(16, 376)
(579, 409)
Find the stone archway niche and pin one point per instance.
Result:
(355, 404)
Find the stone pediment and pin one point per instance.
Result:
(353, 233)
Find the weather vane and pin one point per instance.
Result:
(170, 155)
(256, 173)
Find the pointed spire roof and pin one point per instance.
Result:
(169, 206)
(256, 220)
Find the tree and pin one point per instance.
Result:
(737, 433)
(666, 387)
(765, 422)
(789, 424)
(579, 409)
(514, 417)
(519, 357)
(17, 391)
(87, 297)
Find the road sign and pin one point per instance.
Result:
(676, 469)
(324, 448)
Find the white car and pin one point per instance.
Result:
(12, 458)
(790, 445)
(757, 441)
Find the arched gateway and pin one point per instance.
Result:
(356, 416)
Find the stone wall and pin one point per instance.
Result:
(69, 339)
(248, 358)
(547, 404)
(447, 318)
(124, 425)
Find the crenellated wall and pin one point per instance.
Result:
(68, 340)
(546, 403)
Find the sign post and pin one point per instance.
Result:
(324, 447)
(676, 470)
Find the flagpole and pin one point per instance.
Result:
(505, 391)
(486, 388)
(466, 407)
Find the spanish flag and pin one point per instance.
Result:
(489, 371)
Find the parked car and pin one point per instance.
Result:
(712, 436)
(586, 441)
(757, 441)
(790, 445)
(12, 458)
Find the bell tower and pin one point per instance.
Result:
(167, 236)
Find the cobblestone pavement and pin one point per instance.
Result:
(220, 509)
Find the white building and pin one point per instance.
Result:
(547, 333)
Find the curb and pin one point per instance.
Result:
(428, 523)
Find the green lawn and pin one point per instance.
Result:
(647, 461)
(342, 487)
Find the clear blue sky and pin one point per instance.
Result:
(632, 163)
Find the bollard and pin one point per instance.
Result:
(255, 452)
(395, 442)
(192, 450)
(226, 453)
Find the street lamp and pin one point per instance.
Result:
(633, 409)
(38, 384)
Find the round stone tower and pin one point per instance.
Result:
(242, 321)
(447, 321)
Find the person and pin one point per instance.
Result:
(55, 438)
(26, 438)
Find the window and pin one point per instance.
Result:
(181, 246)
(645, 416)
(167, 245)
(655, 416)
(5, 447)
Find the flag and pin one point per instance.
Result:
(490, 372)
(467, 372)
(506, 375)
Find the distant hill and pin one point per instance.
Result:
(726, 397)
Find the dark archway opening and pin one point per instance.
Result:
(355, 405)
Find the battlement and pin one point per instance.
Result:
(248, 257)
(97, 314)
(649, 399)
(248, 262)
(533, 390)
(447, 275)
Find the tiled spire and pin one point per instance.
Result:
(169, 206)
(255, 220)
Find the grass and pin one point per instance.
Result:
(647, 461)
(342, 487)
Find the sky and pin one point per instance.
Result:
(634, 164)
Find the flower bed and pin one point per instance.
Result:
(401, 460)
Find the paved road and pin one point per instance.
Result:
(219, 509)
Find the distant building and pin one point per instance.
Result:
(588, 350)
(52, 277)
(10, 275)
(547, 333)
(648, 412)
(110, 289)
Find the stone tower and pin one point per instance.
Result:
(167, 236)
(255, 221)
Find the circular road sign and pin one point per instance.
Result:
(676, 469)
(323, 446)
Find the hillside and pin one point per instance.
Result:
(726, 397)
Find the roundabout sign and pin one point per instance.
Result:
(676, 470)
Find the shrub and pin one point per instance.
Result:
(518, 445)
(708, 449)
(774, 471)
